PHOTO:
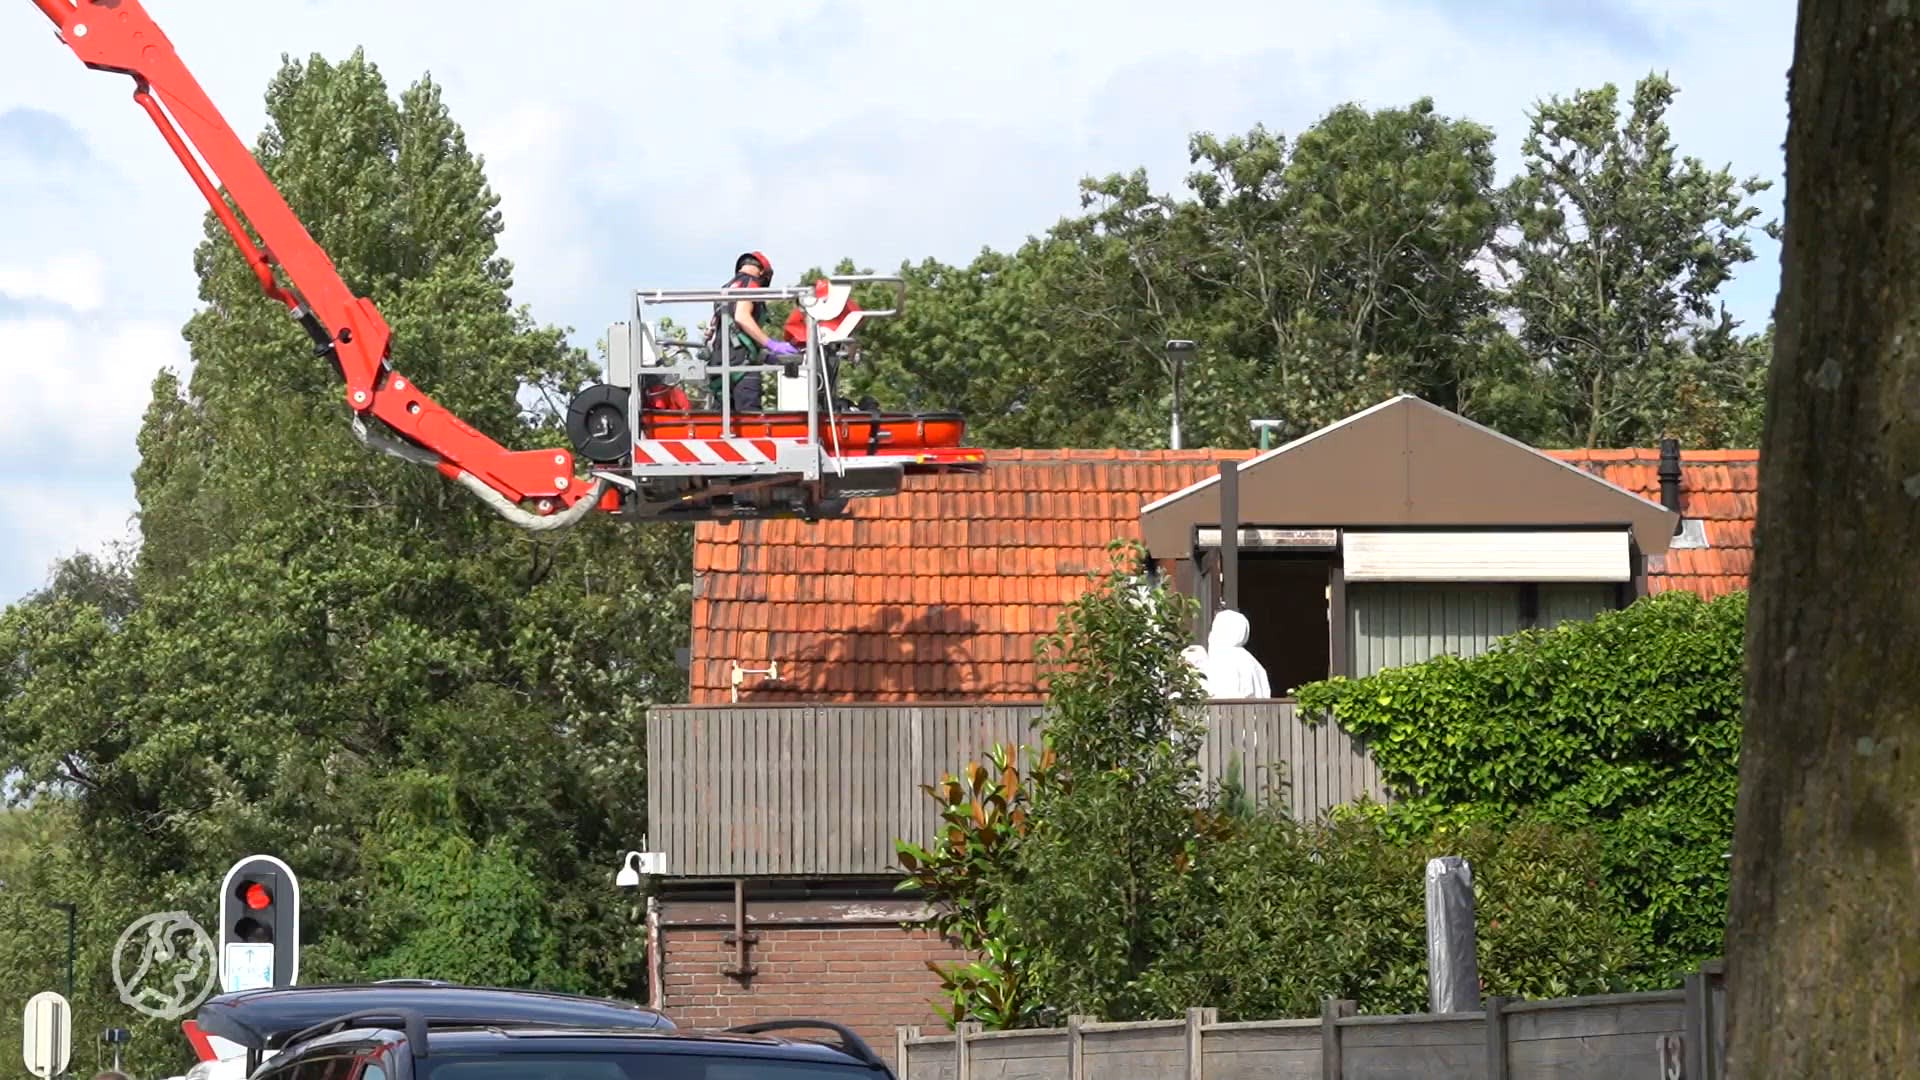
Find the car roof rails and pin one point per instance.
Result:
(262, 1018)
(410, 1020)
(852, 1043)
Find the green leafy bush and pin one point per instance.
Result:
(1059, 881)
(1629, 722)
(965, 874)
(1284, 914)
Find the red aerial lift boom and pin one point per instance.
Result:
(655, 467)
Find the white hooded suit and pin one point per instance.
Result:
(1232, 672)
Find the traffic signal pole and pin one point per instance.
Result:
(259, 925)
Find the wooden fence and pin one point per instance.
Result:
(1668, 1035)
(824, 790)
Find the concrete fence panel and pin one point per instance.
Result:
(1666, 1035)
(1263, 1050)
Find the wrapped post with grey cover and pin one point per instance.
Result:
(1453, 966)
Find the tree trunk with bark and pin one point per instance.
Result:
(1824, 929)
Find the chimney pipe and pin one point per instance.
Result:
(1670, 474)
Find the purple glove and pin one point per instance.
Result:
(781, 348)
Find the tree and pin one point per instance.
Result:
(1318, 278)
(971, 340)
(1824, 951)
(1352, 257)
(1113, 827)
(1621, 247)
(339, 657)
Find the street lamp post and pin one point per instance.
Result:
(67, 906)
(1266, 429)
(1178, 350)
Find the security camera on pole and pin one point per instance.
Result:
(259, 925)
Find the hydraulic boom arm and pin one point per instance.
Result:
(119, 36)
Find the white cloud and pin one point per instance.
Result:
(77, 390)
(42, 523)
(643, 145)
(72, 279)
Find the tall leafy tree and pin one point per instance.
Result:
(1121, 284)
(1619, 249)
(1112, 830)
(1360, 260)
(1317, 278)
(334, 655)
(1352, 258)
(971, 338)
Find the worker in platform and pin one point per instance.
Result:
(751, 342)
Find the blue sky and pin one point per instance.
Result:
(618, 141)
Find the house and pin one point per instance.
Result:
(943, 592)
(837, 667)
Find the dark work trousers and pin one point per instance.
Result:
(748, 396)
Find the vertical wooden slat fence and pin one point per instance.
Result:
(1320, 765)
(824, 790)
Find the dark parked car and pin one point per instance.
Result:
(436, 1031)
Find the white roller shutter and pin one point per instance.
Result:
(1488, 556)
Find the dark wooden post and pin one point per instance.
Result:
(1230, 533)
(1338, 662)
(1330, 1013)
(1497, 1037)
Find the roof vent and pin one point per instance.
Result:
(1670, 474)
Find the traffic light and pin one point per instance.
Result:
(259, 925)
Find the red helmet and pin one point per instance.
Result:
(766, 265)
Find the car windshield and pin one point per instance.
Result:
(677, 1064)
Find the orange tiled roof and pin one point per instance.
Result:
(943, 591)
(1719, 487)
(940, 592)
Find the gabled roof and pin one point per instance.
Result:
(1406, 462)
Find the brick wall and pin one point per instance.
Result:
(871, 978)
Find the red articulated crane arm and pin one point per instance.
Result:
(119, 36)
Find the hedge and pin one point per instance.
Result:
(1628, 723)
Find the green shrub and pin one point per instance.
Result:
(965, 874)
(1629, 723)
(1586, 773)
(1284, 914)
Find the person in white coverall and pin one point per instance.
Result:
(1232, 672)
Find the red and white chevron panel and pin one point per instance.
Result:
(707, 451)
